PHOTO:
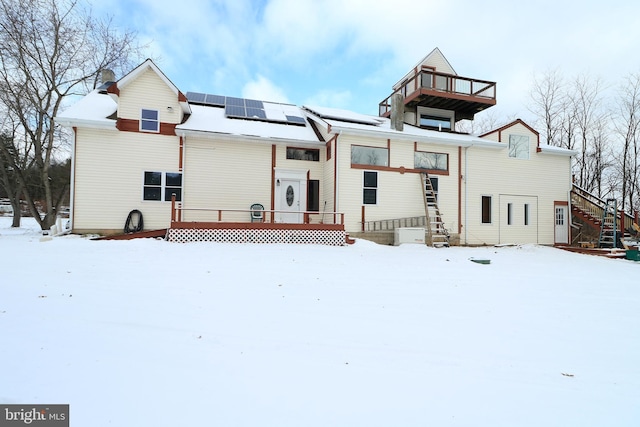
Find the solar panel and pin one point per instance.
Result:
(195, 97)
(253, 103)
(296, 120)
(235, 111)
(256, 113)
(235, 101)
(216, 100)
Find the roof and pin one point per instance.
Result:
(212, 120)
(92, 110)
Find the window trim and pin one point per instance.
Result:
(386, 165)
(431, 170)
(512, 141)
(147, 120)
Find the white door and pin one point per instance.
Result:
(562, 224)
(289, 202)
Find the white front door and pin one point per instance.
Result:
(562, 224)
(289, 202)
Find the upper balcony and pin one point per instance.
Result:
(429, 88)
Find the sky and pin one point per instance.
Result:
(151, 333)
(349, 53)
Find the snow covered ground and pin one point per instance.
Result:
(150, 333)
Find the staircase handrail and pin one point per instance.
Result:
(625, 220)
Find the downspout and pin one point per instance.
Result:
(466, 198)
(336, 203)
(72, 183)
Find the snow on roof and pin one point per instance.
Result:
(213, 120)
(94, 109)
(343, 115)
(384, 130)
(551, 149)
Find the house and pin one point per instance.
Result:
(140, 140)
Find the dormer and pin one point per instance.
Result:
(433, 96)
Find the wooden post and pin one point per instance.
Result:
(173, 208)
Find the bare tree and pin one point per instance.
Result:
(627, 127)
(548, 104)
(49, 50)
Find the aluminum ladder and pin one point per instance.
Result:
(437, 234)
(609, 225)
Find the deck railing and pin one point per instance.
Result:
(181, 214)
(441, 82)
(594, 206)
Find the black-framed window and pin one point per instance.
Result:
(149, 120)
(370, 188)
(313, 195)
(486, 209)
(160, 186)
(311, 154)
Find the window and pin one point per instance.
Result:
(361, 155)
(149, 121)
(434, 186)
(157, 184)
(435, 122)
(519, 146)
(509, 213)
(431, 161)
(526, 214)
(486, 209)
(313, 195)
(370, 188)
(311, 154)
(173, 185)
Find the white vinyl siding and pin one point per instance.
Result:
(149, 91)
(225, 174)
(547, 177)
(110, 166)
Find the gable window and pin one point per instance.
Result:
(370, 188)
(519, 146)
(160, 186)
(435, 122)
(311, 154)
(431, 161)
(486, 209)
(149, 121)
(361, 155)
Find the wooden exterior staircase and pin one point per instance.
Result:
(601, 216)
(437, 234)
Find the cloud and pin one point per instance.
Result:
(330, 98)
(265, 90)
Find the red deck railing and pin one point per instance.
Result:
(210, 215)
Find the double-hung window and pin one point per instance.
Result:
(370, 188)
(149, 121)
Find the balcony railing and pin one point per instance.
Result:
(428, 80)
